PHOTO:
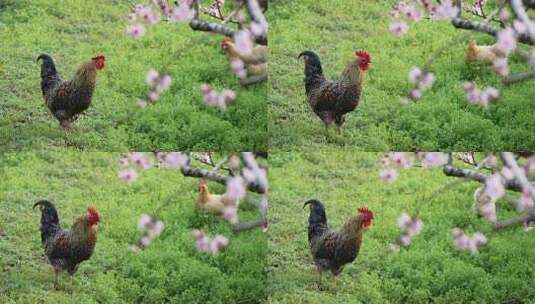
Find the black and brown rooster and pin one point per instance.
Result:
(68, 98)
(332, 250)
(332, 99)
(66, 249)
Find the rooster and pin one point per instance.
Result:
(329, 99)
(66, 249)
(68, 98)
(332, 250)
(255, 62)
(215, 203)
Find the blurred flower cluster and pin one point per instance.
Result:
(150, 228)
(421, 80)
(463, 242)
(409, 227)
(404, 13)
(219, 99)
(143, 15)
(158, 85)
(205, 244)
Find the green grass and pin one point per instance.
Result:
(441, 120)
(430, 271)
(75, 30)
(169, 270)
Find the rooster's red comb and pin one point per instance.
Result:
(363, 54)
(99, 57)
(365, 211)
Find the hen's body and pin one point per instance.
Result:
(332, 250)
(215, 203)
(66, 249)
(332, 99)
(67, 98)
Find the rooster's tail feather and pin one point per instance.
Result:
(49, 219)
(317, 220)
(49, 74)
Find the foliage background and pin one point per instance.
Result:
(430, 271)
(170, 269)
(73, 31)
(441, 120)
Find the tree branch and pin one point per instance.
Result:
(482, 27)
(212, 176)
(450, 170)
(249, 225)
(514, 78)
(529, 217)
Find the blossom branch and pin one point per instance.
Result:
(529, 217)
(514, 78)
(450, 170)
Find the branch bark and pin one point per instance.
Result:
(196, 172)
(529, 217)
(249, 225)
(450, 170)
(482, 27)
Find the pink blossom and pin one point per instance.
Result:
(182, 13)
(238, 68)
(404, 220)
(426, 81)
(151, 77)
(414, 74)
(175, 159)
(153, 96)
(131, 17)
(206, 88)
(434, 159)
(446, 10)
(506, 40)
(519, 26)
(257, 29)
(405, 240)
(139, 159)
(525, 202)
(501, 66)
(401, 159)
(494, 186)
(388, 175)
(163, 84)
(413, 13)
(202, 242)
(128, 175)
(218, 243)
(243, 41)
(415, 94)
(144, 220)
(230, 213)
(145, 241)
(123, 162)
(415, 227)
(507, 173)
(399, 28)
(136, 30)
(236, 188)
(461, 240)
(488, 211)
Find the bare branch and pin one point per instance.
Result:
(199, 25)
(514, 78)
(529, 217)
(520, 12)
(482, 27)
(256, 13)
(249, 225)
(450, 170)
(201, 173)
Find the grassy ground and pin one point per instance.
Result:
(430, 271)
(169, 270)
(442, 119)
(75, 30)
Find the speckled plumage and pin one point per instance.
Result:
(332, 99)
(66, 99)
(332, 250)
(65, 249)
